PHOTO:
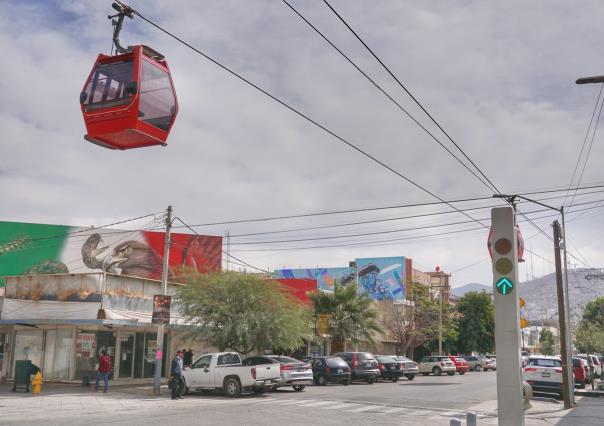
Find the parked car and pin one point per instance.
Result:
(390, 368)
(474, 362)
(410, 367)
(544, 374)
(597, 366)
(489, 364)
(224, 371)
(294, 373)
(436, 365)
(363, 365)
(590, 366)
(580, 371)
(461, 365)
(327, 369)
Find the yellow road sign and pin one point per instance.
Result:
(523, 322)
(522, 302)
(323, 324)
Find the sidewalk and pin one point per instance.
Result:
(588, 412)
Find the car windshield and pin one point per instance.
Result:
(545, 362)
(460, 360)
(336, 362)
(385, 359)
(285, 359)
(363, 356)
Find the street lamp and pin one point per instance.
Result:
(589, 80)
(562, 288)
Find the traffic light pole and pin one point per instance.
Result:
(562, 316)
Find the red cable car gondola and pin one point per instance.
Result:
(128, 100)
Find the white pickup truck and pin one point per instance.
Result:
(223, 370)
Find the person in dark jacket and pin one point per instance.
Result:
(178, 383)
(103, 371)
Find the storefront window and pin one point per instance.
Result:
(57, 357)
(89, 345)
(2, 348)
(28, 346)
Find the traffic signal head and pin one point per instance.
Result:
(503, 241)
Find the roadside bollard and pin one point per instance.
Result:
(36, 383)
(455, 422)
(471, 418)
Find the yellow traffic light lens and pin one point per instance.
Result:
(504, 266)
(503, 246)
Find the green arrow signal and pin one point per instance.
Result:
(504, 286)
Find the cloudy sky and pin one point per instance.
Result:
(498, 76)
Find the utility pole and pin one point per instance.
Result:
(562, 319)
(440, 322)
(164, 289)
(228, 250)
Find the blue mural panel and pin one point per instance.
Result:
(326, 277)
(381, 277)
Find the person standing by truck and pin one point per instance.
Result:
(178, 382)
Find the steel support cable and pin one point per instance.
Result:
(593, 114)
(394, 101)
(301, 114)
(224, 252)
(593, 136)
(410, 94)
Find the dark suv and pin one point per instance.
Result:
(363, 365)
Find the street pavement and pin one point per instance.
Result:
(423, 401)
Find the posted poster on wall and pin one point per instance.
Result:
(161, 309)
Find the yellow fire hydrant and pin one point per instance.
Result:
(36, 383)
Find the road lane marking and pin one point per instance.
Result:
(365, 408)
(395, 410)
(316, 404)
(343, 405)
(420, 413)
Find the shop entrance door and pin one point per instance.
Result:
(126, 355)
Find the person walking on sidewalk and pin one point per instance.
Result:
(178, 383)
(103, 370)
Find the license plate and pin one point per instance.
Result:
(339, 370)
(394, 367)
(545, 374)
(267, 382)
(300, 369)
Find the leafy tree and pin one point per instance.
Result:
(416, 325)
(546, 342)
(351, 315)
(476, 323)
(589, 338)
(244, 312)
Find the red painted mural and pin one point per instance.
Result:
(300, 288)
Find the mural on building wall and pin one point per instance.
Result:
(326, 277)
(299, 288)
(382, 277)
(31, 249)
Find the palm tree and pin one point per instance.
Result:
(351, 315)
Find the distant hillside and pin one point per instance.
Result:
(541, 297)
(460, 291)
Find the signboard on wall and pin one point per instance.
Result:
(381, 278)
(326, 278)
(161, 309)
(34, 249)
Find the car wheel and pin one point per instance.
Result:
(321, 381)
(436, 371)
(346, 382)
(232, 387)
(451, 373)
(299, 388)
(461, 373)
(410, 376)
(477, 368)
(394, 379)
(371, 380)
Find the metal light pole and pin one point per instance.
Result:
(563, 303)
(164, 289)
(440, 322)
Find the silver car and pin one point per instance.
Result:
(410, 367)
(294, 373)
